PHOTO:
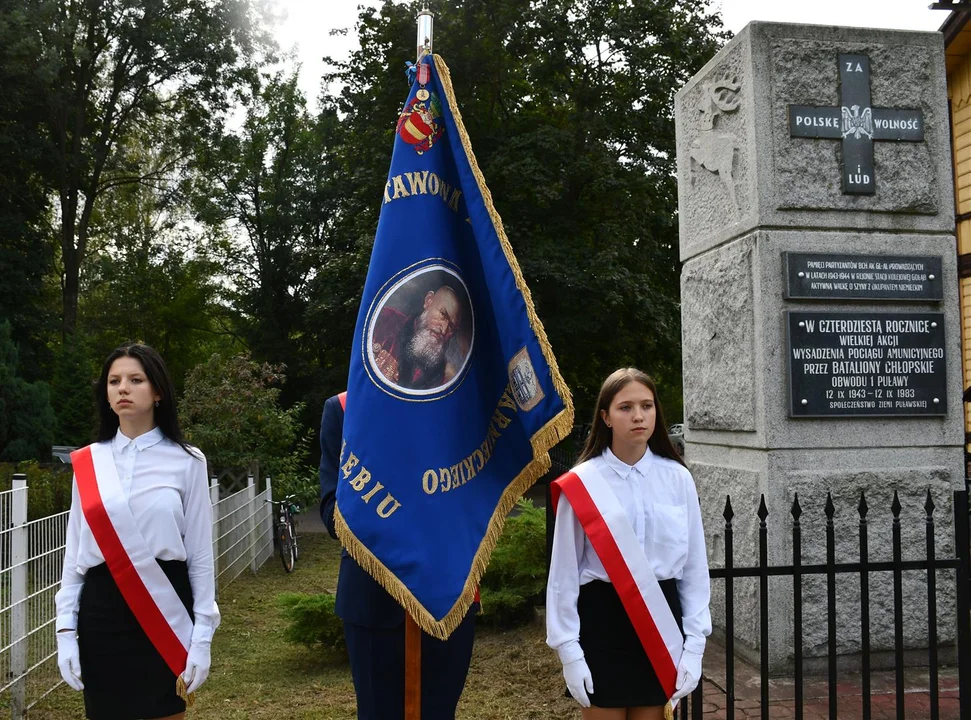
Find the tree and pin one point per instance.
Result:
(72, 387)
(26, 417)
(150, 276)
(156, 275)
(26, 254)
(569, 105)
(163, 295)
(108, 66)
(230, 410)
(262, 182)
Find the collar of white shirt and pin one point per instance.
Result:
(623, 469)
(142, 442)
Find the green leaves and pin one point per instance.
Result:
(312, 620)
(268, 185)
(230, 410)
(109, 68)
(132, 208)
(516, 578)
(26, 417)
(569, 106)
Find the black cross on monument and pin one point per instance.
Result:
(857, 124)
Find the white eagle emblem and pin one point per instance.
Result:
(857, 124)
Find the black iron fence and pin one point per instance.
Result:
(862, 571)
(955, 565)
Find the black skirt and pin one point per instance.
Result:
(124, 676)
(622, 673)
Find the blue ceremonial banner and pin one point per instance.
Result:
(454, 396)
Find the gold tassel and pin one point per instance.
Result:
(182, 691)
(669, 711)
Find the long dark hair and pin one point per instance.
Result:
(166, 417)
(600, 435)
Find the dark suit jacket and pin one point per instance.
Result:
(360, 599)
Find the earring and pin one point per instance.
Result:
(156, 403)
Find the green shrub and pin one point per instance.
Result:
(312, 621)
(516, 579)
(230, 410)
(48, 486)
(512, 586)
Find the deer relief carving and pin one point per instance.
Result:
(713, 150)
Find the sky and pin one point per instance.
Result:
(307, 23)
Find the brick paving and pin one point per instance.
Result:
(850, 705)
(883, 701)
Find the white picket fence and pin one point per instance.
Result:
(31, 559)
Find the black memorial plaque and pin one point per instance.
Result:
(825, 276)
(845, 364)
(857, 124)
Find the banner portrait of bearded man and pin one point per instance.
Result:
(421, 337)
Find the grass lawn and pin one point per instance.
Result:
(256, 674)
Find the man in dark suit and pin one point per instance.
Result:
(374, 624)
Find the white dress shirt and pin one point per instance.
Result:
(661, 502)
(168, 495)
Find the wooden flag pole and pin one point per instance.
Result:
(412, 669)
(412, 631)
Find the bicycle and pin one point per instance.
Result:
(285, 532)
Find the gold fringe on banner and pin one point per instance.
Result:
(558, 383)
(546, 437)
(182, 691)
(441, 629)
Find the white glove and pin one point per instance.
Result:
(579, 681)
(689, 675)
(196, 666)
(69, 658)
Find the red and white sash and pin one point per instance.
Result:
(146, 589)
(606, 525)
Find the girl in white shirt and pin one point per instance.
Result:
(604, 663)
(102, 648)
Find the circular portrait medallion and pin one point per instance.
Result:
(420, 331)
